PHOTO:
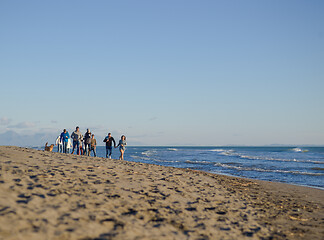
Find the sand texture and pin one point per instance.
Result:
(45, 195)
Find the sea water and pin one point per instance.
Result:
(293, 165)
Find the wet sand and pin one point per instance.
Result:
(45, 195)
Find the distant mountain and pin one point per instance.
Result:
(11, 138)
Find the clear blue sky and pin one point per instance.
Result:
(165, 72)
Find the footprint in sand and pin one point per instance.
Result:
(34, 177)
(113, 196)
(24, 198)
(225, 228)
(221, 212)
(130, 212)
(6, 210)
(200, 226)
(209, 208)
(39, 195)
(113, 223)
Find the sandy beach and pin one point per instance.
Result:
(46, 195)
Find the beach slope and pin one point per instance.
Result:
(46, 195)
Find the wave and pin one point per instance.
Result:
(152, 159)
(207, 162)
(239, 168)
(136, 157)
(149, 153)
(172, 149)
(199, 162)
(232, 153)
(299, 150)
(165, 161)
(216, 150)
(279, 159)
(141, 158)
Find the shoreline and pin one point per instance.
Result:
(218, 173)
(48, 195)
(297, 169)
(254, 179)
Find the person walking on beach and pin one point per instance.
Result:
(122, 147)
(87, 142)
(81, 145)
(108, 140)
(76, 136)
(69, 146)
(93, 145)
(59, 144)
(65, 138)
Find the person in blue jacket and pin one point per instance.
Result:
(65, 139)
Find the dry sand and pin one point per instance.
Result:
(45, 195)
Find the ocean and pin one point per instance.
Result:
(294, 165)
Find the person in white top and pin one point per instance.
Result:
(59, 144)
(69, 145)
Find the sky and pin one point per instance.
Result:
(169, 73)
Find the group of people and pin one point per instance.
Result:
(85, 144)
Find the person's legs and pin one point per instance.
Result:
(64, 147)
(89, 149)
(110, 152)
(74, 144)
(78, 147)
(94, 151)
(121, 154)
(80, 150)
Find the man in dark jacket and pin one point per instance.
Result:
(87, 142)
(77, 137)
(109, 140)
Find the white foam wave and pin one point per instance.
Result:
(279, 159)
(149, 153)
(172, 149)
(229, 153)
(198, 162)
(165, 161)
(239, 168)
(216, 150)
(232, 153)
(299, 150)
